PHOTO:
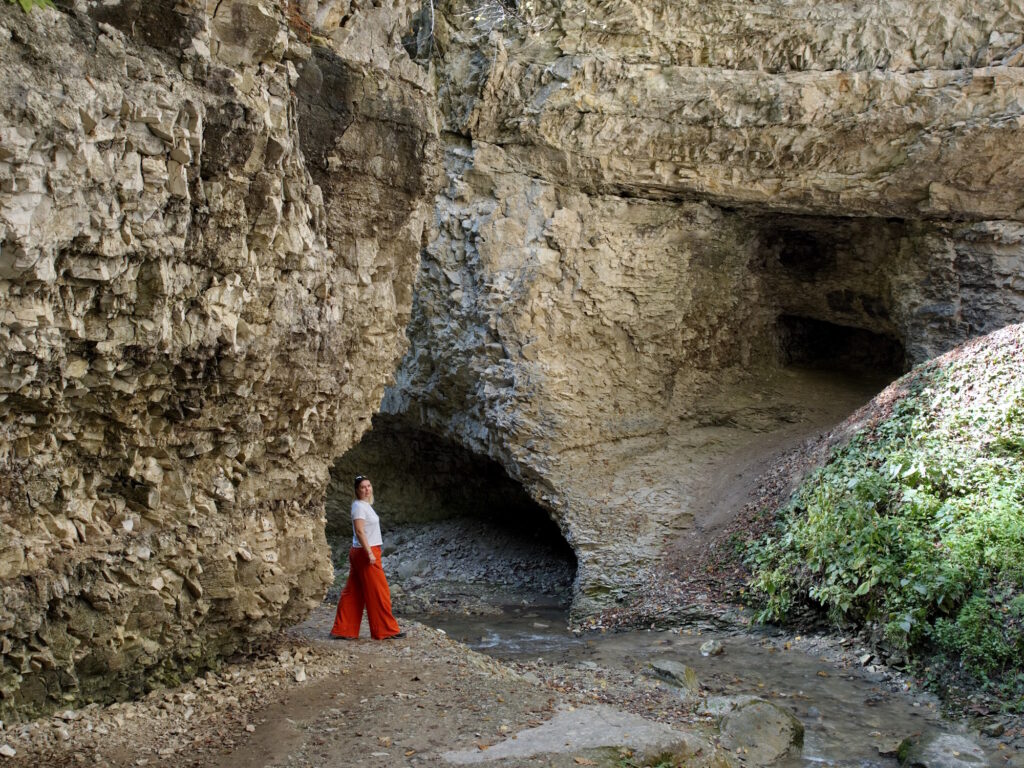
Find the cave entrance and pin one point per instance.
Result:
(460, 535)
(833, 290)
(809, 343)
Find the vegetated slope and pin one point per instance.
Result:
(915, 527)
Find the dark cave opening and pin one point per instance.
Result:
(809, 343)
(834, 302)
(801, 252)
(460, 535)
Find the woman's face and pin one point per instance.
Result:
(364, 491)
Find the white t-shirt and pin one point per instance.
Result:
(361, 510)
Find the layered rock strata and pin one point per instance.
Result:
(658, 214)
(209, 224)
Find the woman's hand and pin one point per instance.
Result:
(360, 526)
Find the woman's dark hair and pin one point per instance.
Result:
(355, 484)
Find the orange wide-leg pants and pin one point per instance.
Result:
(367, 587)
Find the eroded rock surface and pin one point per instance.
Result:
(658, 216)
(209, 225)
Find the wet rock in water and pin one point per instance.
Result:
(994, 730)
(677, 674)
(712, 648)
(941, 750)
(890, 747)
(765, 731)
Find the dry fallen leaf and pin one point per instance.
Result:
(583, 761)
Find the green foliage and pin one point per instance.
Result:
(28, 5)
(918, 523)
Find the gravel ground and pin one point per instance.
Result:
(469, 565)
(311, 702)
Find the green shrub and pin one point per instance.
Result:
(986, 635)
(917, 524)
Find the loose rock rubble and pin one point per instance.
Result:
(469, 565)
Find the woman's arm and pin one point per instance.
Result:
(360, 526)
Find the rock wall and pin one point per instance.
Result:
(210, 219)
(652, 208)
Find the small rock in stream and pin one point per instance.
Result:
(712, 648)
(890, 747)
(677, 674)
(994, 730)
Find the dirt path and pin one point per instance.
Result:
(798, 408)
(320, 703)
(313, 702)
(391, 703)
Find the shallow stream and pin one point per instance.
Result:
(851, 714)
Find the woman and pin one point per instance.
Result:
(366, 586)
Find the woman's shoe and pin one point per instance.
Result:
(394, 637)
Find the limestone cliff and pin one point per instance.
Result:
(655, 216)
(658, 214)
(210, 218)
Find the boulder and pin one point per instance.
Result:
(941, 750)
(763, 730)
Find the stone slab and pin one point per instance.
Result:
(580, 729)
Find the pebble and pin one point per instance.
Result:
(8, 751)
(712, 648)
(994, 729)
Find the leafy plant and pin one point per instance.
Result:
(917, 524)
(28, 5)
